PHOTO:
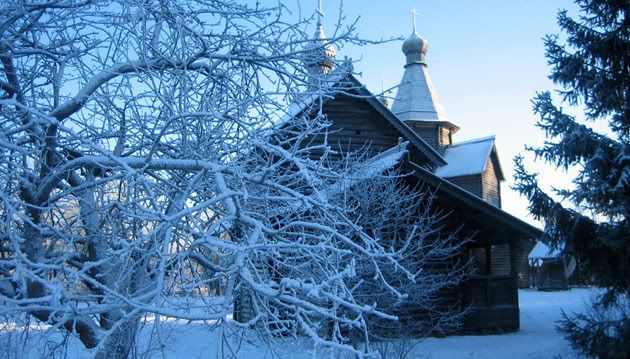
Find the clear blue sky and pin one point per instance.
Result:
(486, 60)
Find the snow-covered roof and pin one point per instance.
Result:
(542, 251)
(372, 167)
(381, 162)
(466, 158)
(417, 99)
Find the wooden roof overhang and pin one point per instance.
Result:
(488, 223)
(442, 123)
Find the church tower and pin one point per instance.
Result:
(416, 102)
(319, 53)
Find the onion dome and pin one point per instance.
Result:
(415, 48)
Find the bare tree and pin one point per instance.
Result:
(145, 150)
(149, 149)
(401, 215)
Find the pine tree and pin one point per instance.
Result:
(592, 69)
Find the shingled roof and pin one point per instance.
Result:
(416, 99)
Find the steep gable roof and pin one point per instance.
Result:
(484, 151)
(469, 158)
(349, 83)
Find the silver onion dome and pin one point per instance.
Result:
(415, 48)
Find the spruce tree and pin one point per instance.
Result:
(591, 67)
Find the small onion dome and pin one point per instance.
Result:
(329, 49)
(415, 48)
(320, 55)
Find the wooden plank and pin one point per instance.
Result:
(491, 190)
(470, 183)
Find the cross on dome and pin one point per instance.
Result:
(414, 13)
(320, 53)
(320, 15)
(319, 9)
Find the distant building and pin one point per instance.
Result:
(550, 269)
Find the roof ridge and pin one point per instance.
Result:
(474, 140)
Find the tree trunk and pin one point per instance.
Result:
(119, 344)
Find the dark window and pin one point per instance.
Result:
(479, 260)
(491, 260)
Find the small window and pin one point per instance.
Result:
(357, 132)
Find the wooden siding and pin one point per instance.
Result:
(490, 185)
(521, 265)
(434, 134)
(492, 294)
(355, 123)
(485, 185)
(470, 183)
(428, 132)
(501, 263)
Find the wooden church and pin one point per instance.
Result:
(466, 176)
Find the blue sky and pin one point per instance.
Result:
(486, 60)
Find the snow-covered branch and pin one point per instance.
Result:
(149, 152)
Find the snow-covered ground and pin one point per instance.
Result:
(536, 339)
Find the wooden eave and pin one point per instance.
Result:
(469, 199)
(494, 156)
(447, 124)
